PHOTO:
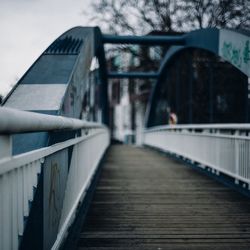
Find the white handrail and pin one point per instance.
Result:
(11, 163)
(19, 177)
(17, 121)
(226, 126)
(221, 147)
(19, 173)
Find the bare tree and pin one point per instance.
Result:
(134, 16)
(198, 14)
(142, 16)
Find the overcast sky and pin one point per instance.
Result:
(28, 27)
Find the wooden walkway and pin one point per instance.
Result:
(146, 201)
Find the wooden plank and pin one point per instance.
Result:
(145, 200)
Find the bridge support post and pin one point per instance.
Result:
(5, 146)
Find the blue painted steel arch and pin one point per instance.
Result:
(214, 41)
(57, 82)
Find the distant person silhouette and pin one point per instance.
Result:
(173, 118)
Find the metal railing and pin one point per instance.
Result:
(19, 173)
(225, 148)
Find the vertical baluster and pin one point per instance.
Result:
(89, 162)
(34, 179)
(231, 154)
(246, 157)
(248, 160)
(236, 153)
(210, 153)
(30, 181)
(87, 167)
(6, 212)
(25, 192)
(37, 170)
(233, 167)
(244, 142)
(226, 163)
(241, 166)
(243, 156)
(82, 165)
(78, 168)
(38, 167)
(1, 212)
(75, 169)
(14, 211)
(20, 199)
(240, 171)
(99, 143)
(219, 146)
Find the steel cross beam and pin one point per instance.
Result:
(144, 40)
(141, 40)
(141, 75)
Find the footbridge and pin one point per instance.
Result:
(64, 185)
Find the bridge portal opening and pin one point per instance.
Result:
(200, 87)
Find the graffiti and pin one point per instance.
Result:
(232, 54)
(226, 50)
(54, 174)
(236, 55)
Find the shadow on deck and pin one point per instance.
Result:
(145, 200)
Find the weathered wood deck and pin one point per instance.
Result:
(146, 201)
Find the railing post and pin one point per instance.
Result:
(236, 157)
(5, 146)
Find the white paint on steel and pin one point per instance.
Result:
(16, 121)
(8, 164)
(16, 191)
(85, 159)
(204, 127)
(40, 97)
(18, 174)
(5, 146)
(222, 151)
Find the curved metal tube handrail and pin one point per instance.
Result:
(17, 121)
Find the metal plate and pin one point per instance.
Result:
(37, 97)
